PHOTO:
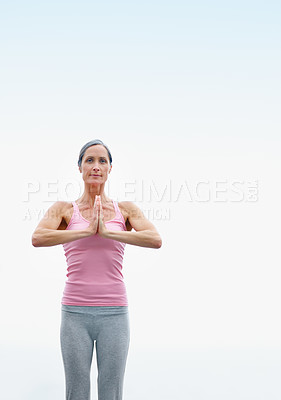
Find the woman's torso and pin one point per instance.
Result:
(94, 263)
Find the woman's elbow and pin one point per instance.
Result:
(35, 241)
(158, 242)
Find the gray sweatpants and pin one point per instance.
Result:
(81, 327)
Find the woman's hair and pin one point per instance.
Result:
(89, 144)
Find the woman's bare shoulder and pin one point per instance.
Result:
(129, 206)
(63, 204)
(63, 207)
(126, 206)
(130, 210)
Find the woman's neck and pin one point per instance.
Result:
(89, 200)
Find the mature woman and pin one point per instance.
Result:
(94, 308)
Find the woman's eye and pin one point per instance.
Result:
(102, 160)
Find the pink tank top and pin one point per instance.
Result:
(94, 265)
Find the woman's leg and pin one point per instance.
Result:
(112, 345)
(77, 352)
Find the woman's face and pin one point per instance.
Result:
(95, 162)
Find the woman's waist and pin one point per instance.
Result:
(95, 309)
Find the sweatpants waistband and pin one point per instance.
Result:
(96, 310)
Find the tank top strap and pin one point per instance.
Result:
(115, 206)
(75, 208)
(118, 212)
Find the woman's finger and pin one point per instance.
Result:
(96, 206)
(101, 211)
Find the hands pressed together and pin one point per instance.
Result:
(97, 225)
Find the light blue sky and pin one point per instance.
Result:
(193, 66)
(186, 95)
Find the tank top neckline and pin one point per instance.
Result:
(113, 219)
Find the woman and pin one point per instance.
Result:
(94, 308)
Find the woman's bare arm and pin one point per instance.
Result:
(146, 234)
(145, 238)
(47, 233)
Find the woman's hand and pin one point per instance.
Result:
(94, 221)
(102, 230)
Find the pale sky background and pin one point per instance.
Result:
(187, 97)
